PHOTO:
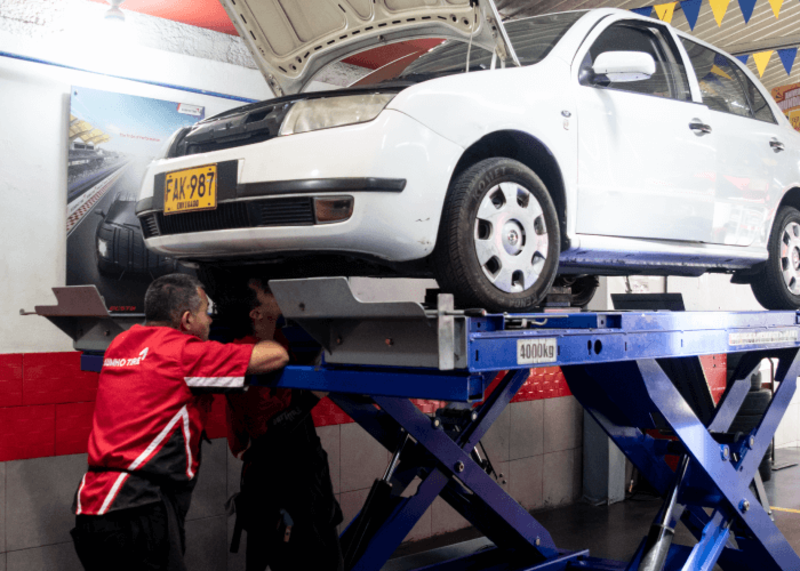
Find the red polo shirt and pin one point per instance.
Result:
(147, 423)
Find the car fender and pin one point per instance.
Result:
(535, 101)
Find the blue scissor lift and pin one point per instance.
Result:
(632, 371)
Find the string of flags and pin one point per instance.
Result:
(691, 9)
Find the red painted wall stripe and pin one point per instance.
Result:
(47, 402)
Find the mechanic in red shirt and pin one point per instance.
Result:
(144, 447)
(286, 503)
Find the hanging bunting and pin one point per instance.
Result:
(646, 11)
(718, 71)
(747, 8)
(787, 58)
(762, 59)
(776, 6)
(743, 58)
(691, 9)
(719, 7)
(665, 11)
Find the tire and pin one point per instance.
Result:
(755, 403)
(777, 285)
(483, 267)
(765, 467)
(755, 381)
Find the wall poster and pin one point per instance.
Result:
(788, 98)
(112, 138)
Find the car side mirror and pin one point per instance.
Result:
(620, 67)
(100, 213)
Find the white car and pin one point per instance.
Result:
(557, 147)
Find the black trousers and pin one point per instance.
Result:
(136, 539)
(290, 474)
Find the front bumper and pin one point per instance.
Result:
(396, 169)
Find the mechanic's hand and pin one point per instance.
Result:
(319, 394)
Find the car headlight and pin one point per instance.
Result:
(102, 248)
(313, 114)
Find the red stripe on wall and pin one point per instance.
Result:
(73, 424)
(47, 402)
(10, 380)
(27, 432)
(54, 378)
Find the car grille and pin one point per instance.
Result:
(297, 211)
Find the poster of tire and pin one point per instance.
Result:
(112, 139)
(788, 99)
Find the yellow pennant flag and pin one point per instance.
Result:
(718, 71)
(776, 6)
(762, 59)
(665, 11)
(719, 7)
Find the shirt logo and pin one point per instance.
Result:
(131, 362)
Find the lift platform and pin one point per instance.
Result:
(635, 372)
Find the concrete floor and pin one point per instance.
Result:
(611, 532)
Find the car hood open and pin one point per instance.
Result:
(292, 40)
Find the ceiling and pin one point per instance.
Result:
(764, 31)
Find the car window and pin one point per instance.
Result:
(724, 86)
(670, 78)
(532, 38)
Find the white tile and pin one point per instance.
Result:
(527, 429)
(562, 478)
(330, 436)
(206, 545)
(563, 424)
(351, 503)
(58, 557)
(234, 473)
(497, 438)
(210, 493)
(445, 519)
(363, 459)
(39, 495)
(525, 479)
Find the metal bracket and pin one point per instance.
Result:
(397, 333)
(81, 313)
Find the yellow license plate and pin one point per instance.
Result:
(191, 189)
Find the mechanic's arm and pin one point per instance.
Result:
(267, 356)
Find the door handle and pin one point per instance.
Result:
(776, 145)
(699, 127)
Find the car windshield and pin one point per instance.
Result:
(532, 38)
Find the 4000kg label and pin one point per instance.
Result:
(541, 350)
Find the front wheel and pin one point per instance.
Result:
(499, 238)
(777, 285)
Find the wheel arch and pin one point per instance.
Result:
(790, 198)
(531, 152)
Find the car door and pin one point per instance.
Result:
(748, 147)
(645, 167)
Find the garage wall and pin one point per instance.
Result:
(46, 402)
(712, 292)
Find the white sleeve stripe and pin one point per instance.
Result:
(214, 381)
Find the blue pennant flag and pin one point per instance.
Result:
(747, 8)
(691, 9)
(646, 11)
(787, 58)
(743, 58)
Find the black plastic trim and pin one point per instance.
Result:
(319, 185)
